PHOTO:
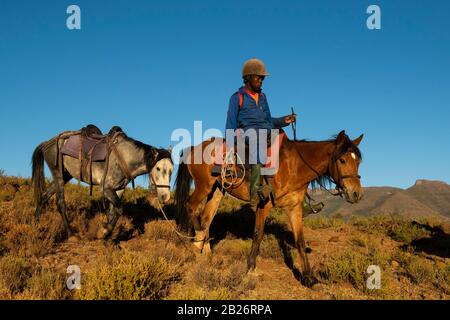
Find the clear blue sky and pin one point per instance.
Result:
(154, 66)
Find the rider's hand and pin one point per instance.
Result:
(290, 118)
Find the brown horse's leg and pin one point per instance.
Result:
(194, 201)
(212, 203)
(296, 221)
(258, 233)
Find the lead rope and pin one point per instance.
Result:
(174, 229)
(167, 219)
(229, 176)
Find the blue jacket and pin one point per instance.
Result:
(251, 115)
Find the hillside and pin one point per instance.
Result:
(424, 198)
(147, 260)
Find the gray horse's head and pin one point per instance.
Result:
(160, 178)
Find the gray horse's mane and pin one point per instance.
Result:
(152, 154)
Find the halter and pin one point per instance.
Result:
(159, 185)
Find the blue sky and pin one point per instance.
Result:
(154, 66)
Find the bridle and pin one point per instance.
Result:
(341, 177)
(339, 188)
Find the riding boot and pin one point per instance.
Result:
(255, 184)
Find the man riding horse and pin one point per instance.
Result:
(249, 110)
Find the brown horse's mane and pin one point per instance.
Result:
(347, 146)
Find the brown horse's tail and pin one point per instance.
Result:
(38, 179)
(183, 186)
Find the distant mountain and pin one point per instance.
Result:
(424, 198)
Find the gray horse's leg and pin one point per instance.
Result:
(62, 204)
(52, 189)
(115, 211)
(48, 194)
(44, 199)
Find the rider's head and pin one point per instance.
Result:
(253, 73)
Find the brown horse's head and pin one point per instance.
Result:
(344, 166)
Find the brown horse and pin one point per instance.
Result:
(300, 163)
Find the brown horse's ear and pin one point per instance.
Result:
(358, 140)
(340, 137)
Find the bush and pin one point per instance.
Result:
(47, 284)
(423, 271)
(320, 222)
(163, 230)
(224, 277)
(351, 266)
(236, 248)
(129, 277)
(406, 231)
(14, 274)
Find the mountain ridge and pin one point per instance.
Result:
(423, 198)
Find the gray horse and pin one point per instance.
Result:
(127, 158)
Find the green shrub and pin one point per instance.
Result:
(14, 274)
(320, 222)
(405, 231)
(423, 271)
(129, 277)
(48, 285)
(351, 266)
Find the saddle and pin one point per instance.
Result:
(235, 173)
(88, 145)
(272, 154)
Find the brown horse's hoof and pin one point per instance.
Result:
(309, 281)
(206, 249)
(198, 246)
(73, 239)
(103, 233)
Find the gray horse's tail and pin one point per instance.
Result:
(38, 179)
(183, 186)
